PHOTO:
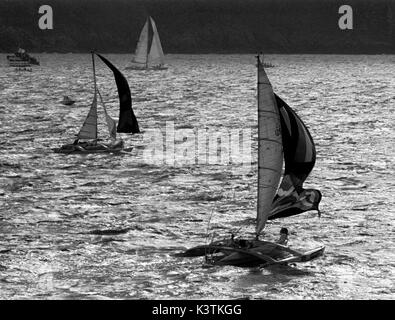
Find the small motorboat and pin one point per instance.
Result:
(21, 59)
(67, 101)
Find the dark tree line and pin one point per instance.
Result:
(201, 26)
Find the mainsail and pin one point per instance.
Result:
(127, 120)
(140, 56)
(299, 158)
(270, 155)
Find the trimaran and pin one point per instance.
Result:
(89, 131)
(149, 53)
(281, 136)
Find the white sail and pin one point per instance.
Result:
(111, 123)
(156, 56)
(140, 56)
(270, 154)
(89, 128)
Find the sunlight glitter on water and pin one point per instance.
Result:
(51, 204)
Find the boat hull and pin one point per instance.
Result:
(146, 69)
(254, 254)
(68, 103)
(76, 149)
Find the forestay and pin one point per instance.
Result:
(140, 56)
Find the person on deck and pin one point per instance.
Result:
(283, 237)
(118, 144)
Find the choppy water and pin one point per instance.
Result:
(53, 206)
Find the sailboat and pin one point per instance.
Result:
(149, 53)
(67, 101)
(282, 136)
(89, 131)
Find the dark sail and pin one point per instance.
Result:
(299, 148)
(127, 120)
(299, 158)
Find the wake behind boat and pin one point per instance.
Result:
(149, 53)
(89, 131)
(281, 135)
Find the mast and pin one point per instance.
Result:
(270, 154)
(94, 85)
(94, 71)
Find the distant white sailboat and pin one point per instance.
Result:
(149, 53)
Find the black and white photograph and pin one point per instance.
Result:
(197, 150)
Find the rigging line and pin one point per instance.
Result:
(208, 223)
(207, 233)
